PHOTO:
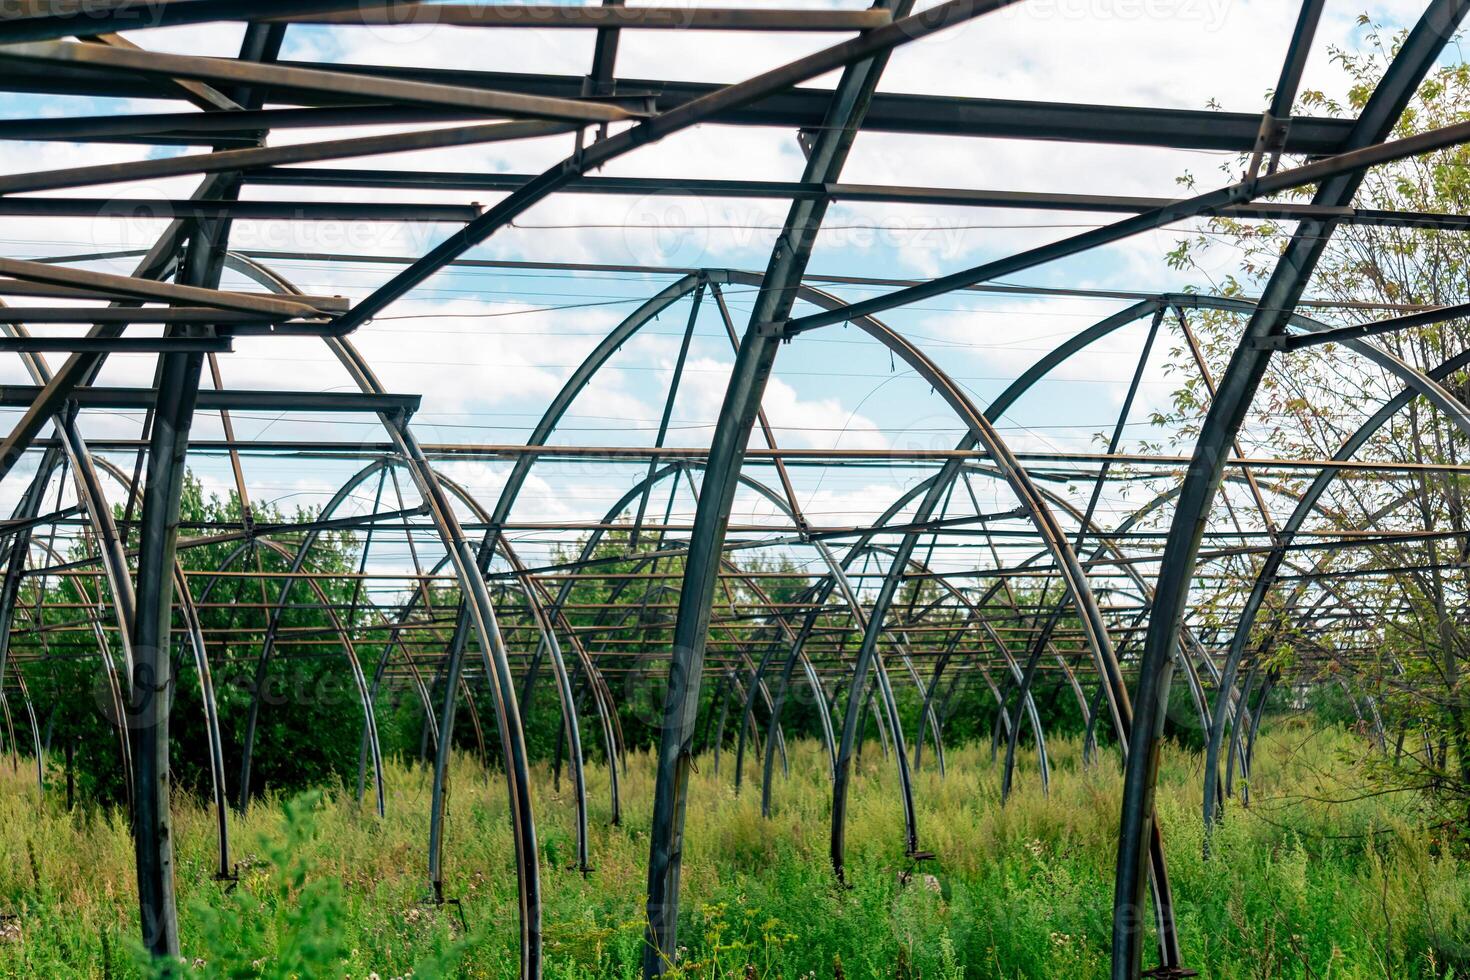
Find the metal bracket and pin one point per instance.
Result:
(807, 140)
(1275, 341)
(229, 879)
(774, 328)
(437, 900)
(1270, 142)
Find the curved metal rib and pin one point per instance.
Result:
(1226, 413)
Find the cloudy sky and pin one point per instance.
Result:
(488, 348)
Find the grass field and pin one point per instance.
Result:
(1296, 887)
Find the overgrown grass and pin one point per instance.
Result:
(1296, 887)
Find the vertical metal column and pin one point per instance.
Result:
(152, 669)
(1227, 411)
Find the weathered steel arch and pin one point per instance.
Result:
(294, 564)
(111, 550)
(189, 612)
(629, 497)
(1417, 382)
(1227, 410)
(1266, 576)
(15, 550)
(1036, 510)
(492, 651)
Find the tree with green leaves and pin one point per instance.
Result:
(1395, 631)
(309, 703)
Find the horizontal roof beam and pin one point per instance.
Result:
(22, 287)
(165, 209)
(796, 107)
(239, 127)
(1358, 331)
(856, 193)
(41, 20)
(1064, 465)
(568, 16)
(353, 86)
(133, 314)
(21, 396)
(937, 114)
(223, 161)
(114, 345)
(133, 287)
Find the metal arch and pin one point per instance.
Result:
(644, 560)
(268, 278)
(1266, 576)
(688, 283)
(176, 394)
(1418, 382)
(189, 611)
(116, 694)
(1185, 633)
(1167, 942)
(982, 432)
(268, 642)
(835, 570)
(147, 617)
(756, 687)
(1106, 543)
(737, 686)
(1310, 577)
(1409, 375)
(579, 379)
(40, 758)
(631, 495)
(178, 388)
(601, 699)
(863, 542)
(773, 736)
(497, 669)
(558, 664)
(614, 341)
(837, 579)
(99, 516)
(1037, 510)
(114, 562)
(349, 651)
(492, 651)
(394, 641)
(976, 614)
(15, 551)
(819, 595)
(1226, 413)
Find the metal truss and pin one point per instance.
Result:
(455, 597)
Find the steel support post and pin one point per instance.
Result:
(1227, 411)
(152, 668)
